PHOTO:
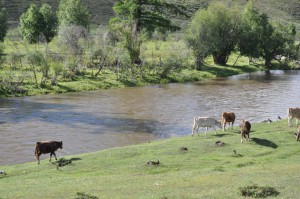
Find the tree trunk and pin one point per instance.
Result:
(220, 58)
(199, 63)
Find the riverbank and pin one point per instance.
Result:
(189, 167)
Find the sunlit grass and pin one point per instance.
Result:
(270, 159)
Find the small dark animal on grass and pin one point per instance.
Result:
(153, 162)
(219, 143)
(47, 147)
(183, 149)
(298, 134)
(245, 127)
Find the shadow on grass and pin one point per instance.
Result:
(265, 142)
(220, 135)
(63, 161)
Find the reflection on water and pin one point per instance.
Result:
(91, 121)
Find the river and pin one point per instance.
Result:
(97, 120)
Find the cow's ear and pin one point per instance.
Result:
(61, 142)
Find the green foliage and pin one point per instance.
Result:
(31, 24)
(3, 22)
(214, 31)
(37, 22)
(50, 22)
(256, 191)
(251, 31)
(73, 12)
(135, 19)
(148, 15)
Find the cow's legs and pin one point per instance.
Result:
(289, 121)
(37, 156)
(194, 128)
(215, 129)
(52, 153)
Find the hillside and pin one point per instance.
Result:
(189, 167)
(101, 10)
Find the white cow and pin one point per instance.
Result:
(293, 113)
(205, 122)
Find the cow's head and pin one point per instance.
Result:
(219, 124)
(60, 144)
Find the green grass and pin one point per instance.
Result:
(270, 161)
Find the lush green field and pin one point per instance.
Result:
(270, 159)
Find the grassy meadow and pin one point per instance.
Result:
(269, 161)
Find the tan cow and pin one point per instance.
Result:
(228, 117)
(293, 113)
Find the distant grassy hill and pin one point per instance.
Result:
(101, 10)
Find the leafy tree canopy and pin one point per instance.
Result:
(150, 15)
(3, 22)
(73, 12)
(214, 31)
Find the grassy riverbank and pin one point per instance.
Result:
(271, 160)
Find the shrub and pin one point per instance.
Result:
(256, 191)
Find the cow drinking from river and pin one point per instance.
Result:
(47, 147)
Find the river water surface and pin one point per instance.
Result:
(91, 121)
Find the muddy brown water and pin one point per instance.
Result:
(92, 121)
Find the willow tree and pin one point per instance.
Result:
(214, 31)
(134, 17)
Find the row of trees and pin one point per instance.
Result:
(220, 30)
(43, 21)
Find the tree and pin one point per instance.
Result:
(73, 12)
(214, 31)
(36, 22)
(31, 24)
(251, 31)
(136, 17)
(50, 22)
(3, 22)
(281, 42)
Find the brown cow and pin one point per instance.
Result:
(297, 134)
(47, 147)
(228, 117)
(245, 127)
(293, 113)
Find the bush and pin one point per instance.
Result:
(256, 191)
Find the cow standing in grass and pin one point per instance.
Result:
(293, 113)
(245, 127)
(47, 147)
(205, 122)
(228, 117)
